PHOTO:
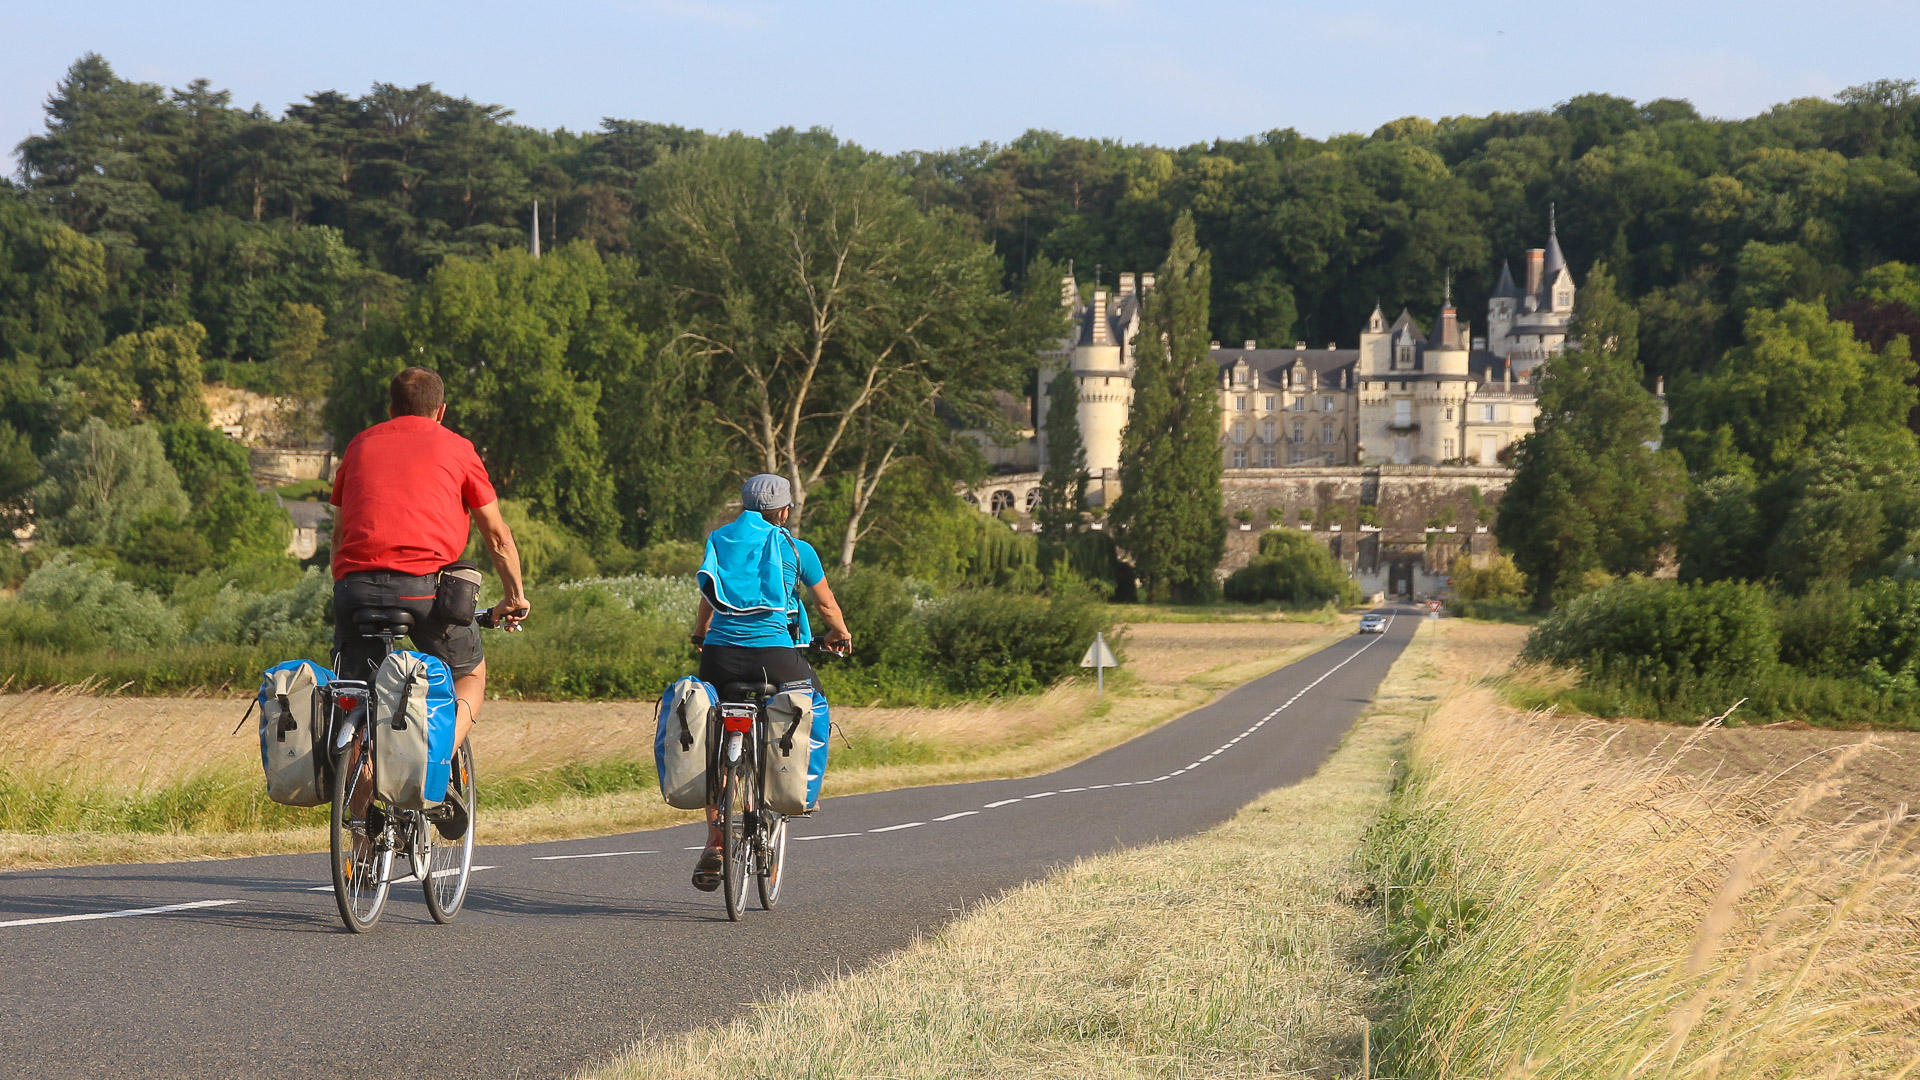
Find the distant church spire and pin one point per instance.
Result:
(533, 243)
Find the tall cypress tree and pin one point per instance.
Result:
(1063, 486)
(1168, 516)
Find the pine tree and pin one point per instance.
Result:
(1168, 516)
(1063, 487)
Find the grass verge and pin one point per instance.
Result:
(1560, 909)
(88, 778)
(1240, 952)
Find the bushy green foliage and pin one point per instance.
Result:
(1292, 568)
(986, 641)
(100, 480)
(297, 620)
(87, 596)
(1661, 635)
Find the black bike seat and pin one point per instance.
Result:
(374, 620)
(746, 691)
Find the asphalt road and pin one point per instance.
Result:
(569, 951)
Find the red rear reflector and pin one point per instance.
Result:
(349, 702)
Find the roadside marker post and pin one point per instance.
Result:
(1099, 658)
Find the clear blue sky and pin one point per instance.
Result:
(897, 76)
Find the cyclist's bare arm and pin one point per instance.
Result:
(703, 619)
(506, 562)
(838, 637)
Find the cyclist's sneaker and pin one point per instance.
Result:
(706, 873)
(450, 817)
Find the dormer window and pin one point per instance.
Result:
(1405, 357)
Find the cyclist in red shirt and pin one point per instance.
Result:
(404, 490)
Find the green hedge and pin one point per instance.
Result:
(1292, 568)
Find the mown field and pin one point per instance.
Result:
(90, 777)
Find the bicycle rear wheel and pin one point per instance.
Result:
(362, 862)
(736, 842)
(773, 856)
(449, 863)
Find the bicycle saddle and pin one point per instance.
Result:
(375, 620)
(746, 691)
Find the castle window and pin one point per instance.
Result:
(1446, 448)
(1299, 432)
(1449, 412)
(1239, 459)
(1402, 412)
(1326, 403)
(1239, 433)
(1299, 404)
(1272, 402)
(1002, 500)
(1406, 356)
(1240, 403)
(1268, 457)
(1266, 431)
(1486, 414)
(1033, 498)
(1563, 299)
(1326, 431)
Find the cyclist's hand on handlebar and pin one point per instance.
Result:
(838, 642)
(511, 611)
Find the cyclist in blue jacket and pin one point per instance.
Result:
(752, 623)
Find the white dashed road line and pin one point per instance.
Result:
(897, 828)
(829, 836)
(129, 913)
(961, 814)
(590, 855)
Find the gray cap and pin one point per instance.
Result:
(767, 491)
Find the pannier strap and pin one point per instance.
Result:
(400, 714)
(282, 681)
(686, 733)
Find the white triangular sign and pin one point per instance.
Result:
(1098, 655)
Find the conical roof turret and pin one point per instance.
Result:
(1556, 261)
(1506, 287)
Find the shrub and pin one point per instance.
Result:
(671, 600)
(296, 619)
(1661, 635)
(1293, 569)
(983, 641)
(84, 593)
(1500, 580)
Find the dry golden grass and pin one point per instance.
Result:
(107, 750)
(1235, 953)
(1602, 914)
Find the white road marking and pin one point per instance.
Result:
(129, 913)
(961, 814)
(590, 855)
(1002, 802)
(1071, 790)
(1042, 794)
(897, 828)
(829, 836)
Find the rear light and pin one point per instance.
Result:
(736, 720)
(348, 702)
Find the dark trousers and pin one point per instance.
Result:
(723, 664)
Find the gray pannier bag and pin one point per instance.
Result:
(292, 729)
(413, 722)
(784, 779)
(680, 743)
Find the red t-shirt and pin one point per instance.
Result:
(404, 489)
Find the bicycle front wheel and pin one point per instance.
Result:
(362, 859)
(449, 863)
(736, 839)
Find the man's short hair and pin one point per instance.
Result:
(416, 391)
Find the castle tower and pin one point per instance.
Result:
(1502, 308)
(1099, 350)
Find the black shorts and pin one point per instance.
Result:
(723, 664)
(355, 657)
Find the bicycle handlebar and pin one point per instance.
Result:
(484, 618)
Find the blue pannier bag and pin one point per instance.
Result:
(680, 742)
(293, 732)
(796, 761)
(413, 718)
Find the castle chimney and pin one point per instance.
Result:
(1101, 333)
(1213, 345)
(1126, 284)
(1660, 386)
(1249, 345)
(1069, 291)
(1509, 375)
(1146, 283)
(1536, 264)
